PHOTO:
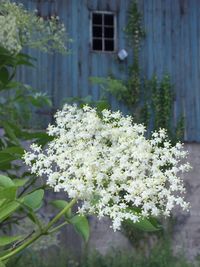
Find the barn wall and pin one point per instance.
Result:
(171, 46)
(68, 76)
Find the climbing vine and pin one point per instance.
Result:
(135, 34)
(150, 101)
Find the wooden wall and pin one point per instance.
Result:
(171, 46)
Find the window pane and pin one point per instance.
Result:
(97, 44)
(109, 45)
(103, 31)
(109, 19)
(97, 19)
(109, 32)
(97, 31)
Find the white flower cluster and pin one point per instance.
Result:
(107, 162)
(9, 38)
(21, 27)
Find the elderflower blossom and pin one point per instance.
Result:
(107, 162)
(20, 27)
(9, 38)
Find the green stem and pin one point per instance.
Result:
(60, 214)
(55, 229)
(38, 222)
(40, 233)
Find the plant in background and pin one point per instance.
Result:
(157, 111)
(19, 196)
(100, 104)
(17, 99)
(160, 256)
(135, 34)
(21, 28)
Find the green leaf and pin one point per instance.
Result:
(5, 166)
(102, 104)
(8, 155)
(18, 150)
(6, 240)
(61, 204)
(2, 202)
(149, 225)
(6, 159)
(40, 138)
(34, 199)
(24, 59)
(4, 75)
(10, 132)
(12, 84)
(20, 182)
(8, 193)
(32, 217)
(5, 181)
(8, 209)
(2, 264)
(81, 226)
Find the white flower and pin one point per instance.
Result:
(108, 163)
(9, 37)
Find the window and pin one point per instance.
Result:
(103, 31)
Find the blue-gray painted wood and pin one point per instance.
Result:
(171, 46)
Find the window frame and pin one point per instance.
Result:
(103, 38)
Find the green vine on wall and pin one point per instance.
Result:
(150, 101)
(135, 34)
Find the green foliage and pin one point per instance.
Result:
(60, 204)
(148, 225)
(20, 27)
(81, 226)
(135, 34)
(16, 203)
(134, 29)
(17, 100)
(34, 200)
(160, 256)
(157, 107)
(7, 209)
(6, 240)
(160, 99)
(20, 195)
(110, 85)
(100, 104)
(79, 222)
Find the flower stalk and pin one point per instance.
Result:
(41, 232)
